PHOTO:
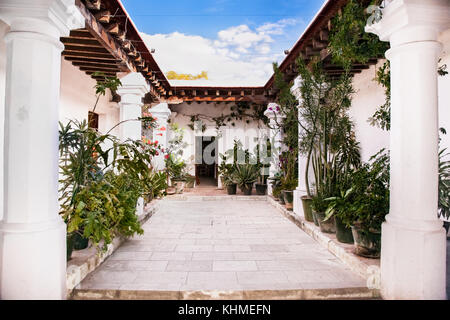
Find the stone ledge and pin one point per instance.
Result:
(85, 261)
(299, 294)
(369, 269)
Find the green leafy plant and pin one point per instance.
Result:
(444, 181)
(245, 174)
(366, 202)
(101, 179)
(349, 43)
(175, 168)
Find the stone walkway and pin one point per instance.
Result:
(226, 245)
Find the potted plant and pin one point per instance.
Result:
(337, 206)
(230, 184)
(444, 186)
(175, 169)
(319, 207)
(368, 204)
(79, 241)
(245, 176)
(190, 181)
(307, 210)
(261, 186)
(276, 186)
(289, 181)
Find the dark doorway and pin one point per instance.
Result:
(206, 159)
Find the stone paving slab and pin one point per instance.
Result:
(223, 246)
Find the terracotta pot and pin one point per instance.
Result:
(171, 190)
(288, 199)
(328, 226)
(179, 186)
(367, 242)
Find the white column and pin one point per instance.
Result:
(133, 89)
(32, 234)
(162, 113)
(276, 118)
(300, 191)
(413, 257)
(221, 148)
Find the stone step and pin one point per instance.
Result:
(358, 293)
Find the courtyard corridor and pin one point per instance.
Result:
(220, 249)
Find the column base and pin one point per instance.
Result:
(298, 207)
(33, 261)
(413, 262)
(269, 189)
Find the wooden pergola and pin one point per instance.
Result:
(110, 43)
(314, 43)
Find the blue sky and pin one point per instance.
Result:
(235, 41)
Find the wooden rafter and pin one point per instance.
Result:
(103, 37)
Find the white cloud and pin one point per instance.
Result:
(239, 56)
(277, 28)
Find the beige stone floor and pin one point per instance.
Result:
(221, 245)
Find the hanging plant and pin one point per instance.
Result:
(349, 43)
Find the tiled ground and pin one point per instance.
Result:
(221, 245)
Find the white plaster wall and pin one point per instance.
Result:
(368, 96)
(78, 98)
(3, 30)
(246, 133)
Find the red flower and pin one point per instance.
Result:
(166, 156)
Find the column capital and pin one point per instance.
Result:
(406, 21)
(60, 16)
(273, 111)
(133, 84)
(161, 111)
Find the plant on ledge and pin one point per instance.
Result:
(101, 180)
(365, 204)
(245, 175)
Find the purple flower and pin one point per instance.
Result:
(278, 109)
(270, 108)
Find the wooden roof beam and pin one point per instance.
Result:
(86, 55)
(93, 4)
(103, 37)
(113, 28)
(92, 60)
(104, 16)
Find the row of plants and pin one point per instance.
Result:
(347, 197)
(101, 180)
(243, 173)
